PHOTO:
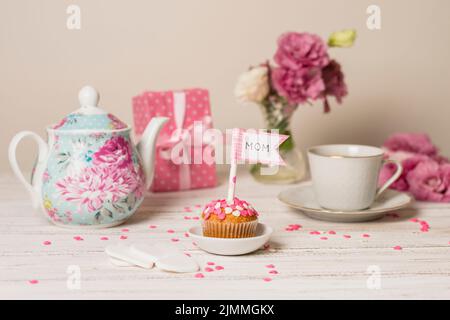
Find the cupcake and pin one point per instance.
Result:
(229, 220)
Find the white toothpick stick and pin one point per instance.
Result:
(232, 182)
(233, 167)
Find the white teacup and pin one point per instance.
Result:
(345, 176)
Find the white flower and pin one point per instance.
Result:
(253, 85)
(77, 160)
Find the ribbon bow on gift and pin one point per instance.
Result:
(177, 147)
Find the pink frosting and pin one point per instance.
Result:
(222, 208)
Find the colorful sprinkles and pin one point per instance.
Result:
(221, 208)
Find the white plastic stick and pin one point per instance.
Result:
(232, 181)
(235, 140)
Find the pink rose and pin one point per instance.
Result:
(430, 181)
(297, 86)
(411, 142)
(299, 50)
(334, 83)
(116, 151)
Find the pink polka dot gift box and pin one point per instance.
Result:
(184, 150)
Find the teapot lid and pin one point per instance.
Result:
(89, 116)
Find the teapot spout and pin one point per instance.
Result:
(147, 147)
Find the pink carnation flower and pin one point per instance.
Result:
(408, 164)
(430, 181)
(411, 142)
(426, 174)
(298, 86)
(299, 50)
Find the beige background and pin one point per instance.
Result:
(398, 77)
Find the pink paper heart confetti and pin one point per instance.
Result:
(273, 272)
(267, 279)
(365, 235)
(424, 226)
(47, 243)
(323, 238)
(210, 263)
(170, 231)
(125, 230)
(270, 266)
(347, 236)
(175, 239)
(331, 232)
(152, 227)
(78, 238)
(218, 268)
(293, 227)
(397, 248)
(208, 269)
(199, 275)
(104, 238)
(122, 237)
(33, 281)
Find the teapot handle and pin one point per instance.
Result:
(34, 188)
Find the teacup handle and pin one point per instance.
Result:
(392, 179)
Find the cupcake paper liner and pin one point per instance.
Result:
(229, 230)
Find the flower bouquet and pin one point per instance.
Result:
(303, 72)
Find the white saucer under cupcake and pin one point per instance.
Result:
(302, 198)
(231, 246)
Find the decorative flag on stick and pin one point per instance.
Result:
(253, 146)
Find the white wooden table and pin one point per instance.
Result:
(308, 266)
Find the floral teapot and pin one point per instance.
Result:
(89, 173)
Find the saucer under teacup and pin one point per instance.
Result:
(230, 246)
(303, 198)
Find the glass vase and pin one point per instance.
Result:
(278, 115)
